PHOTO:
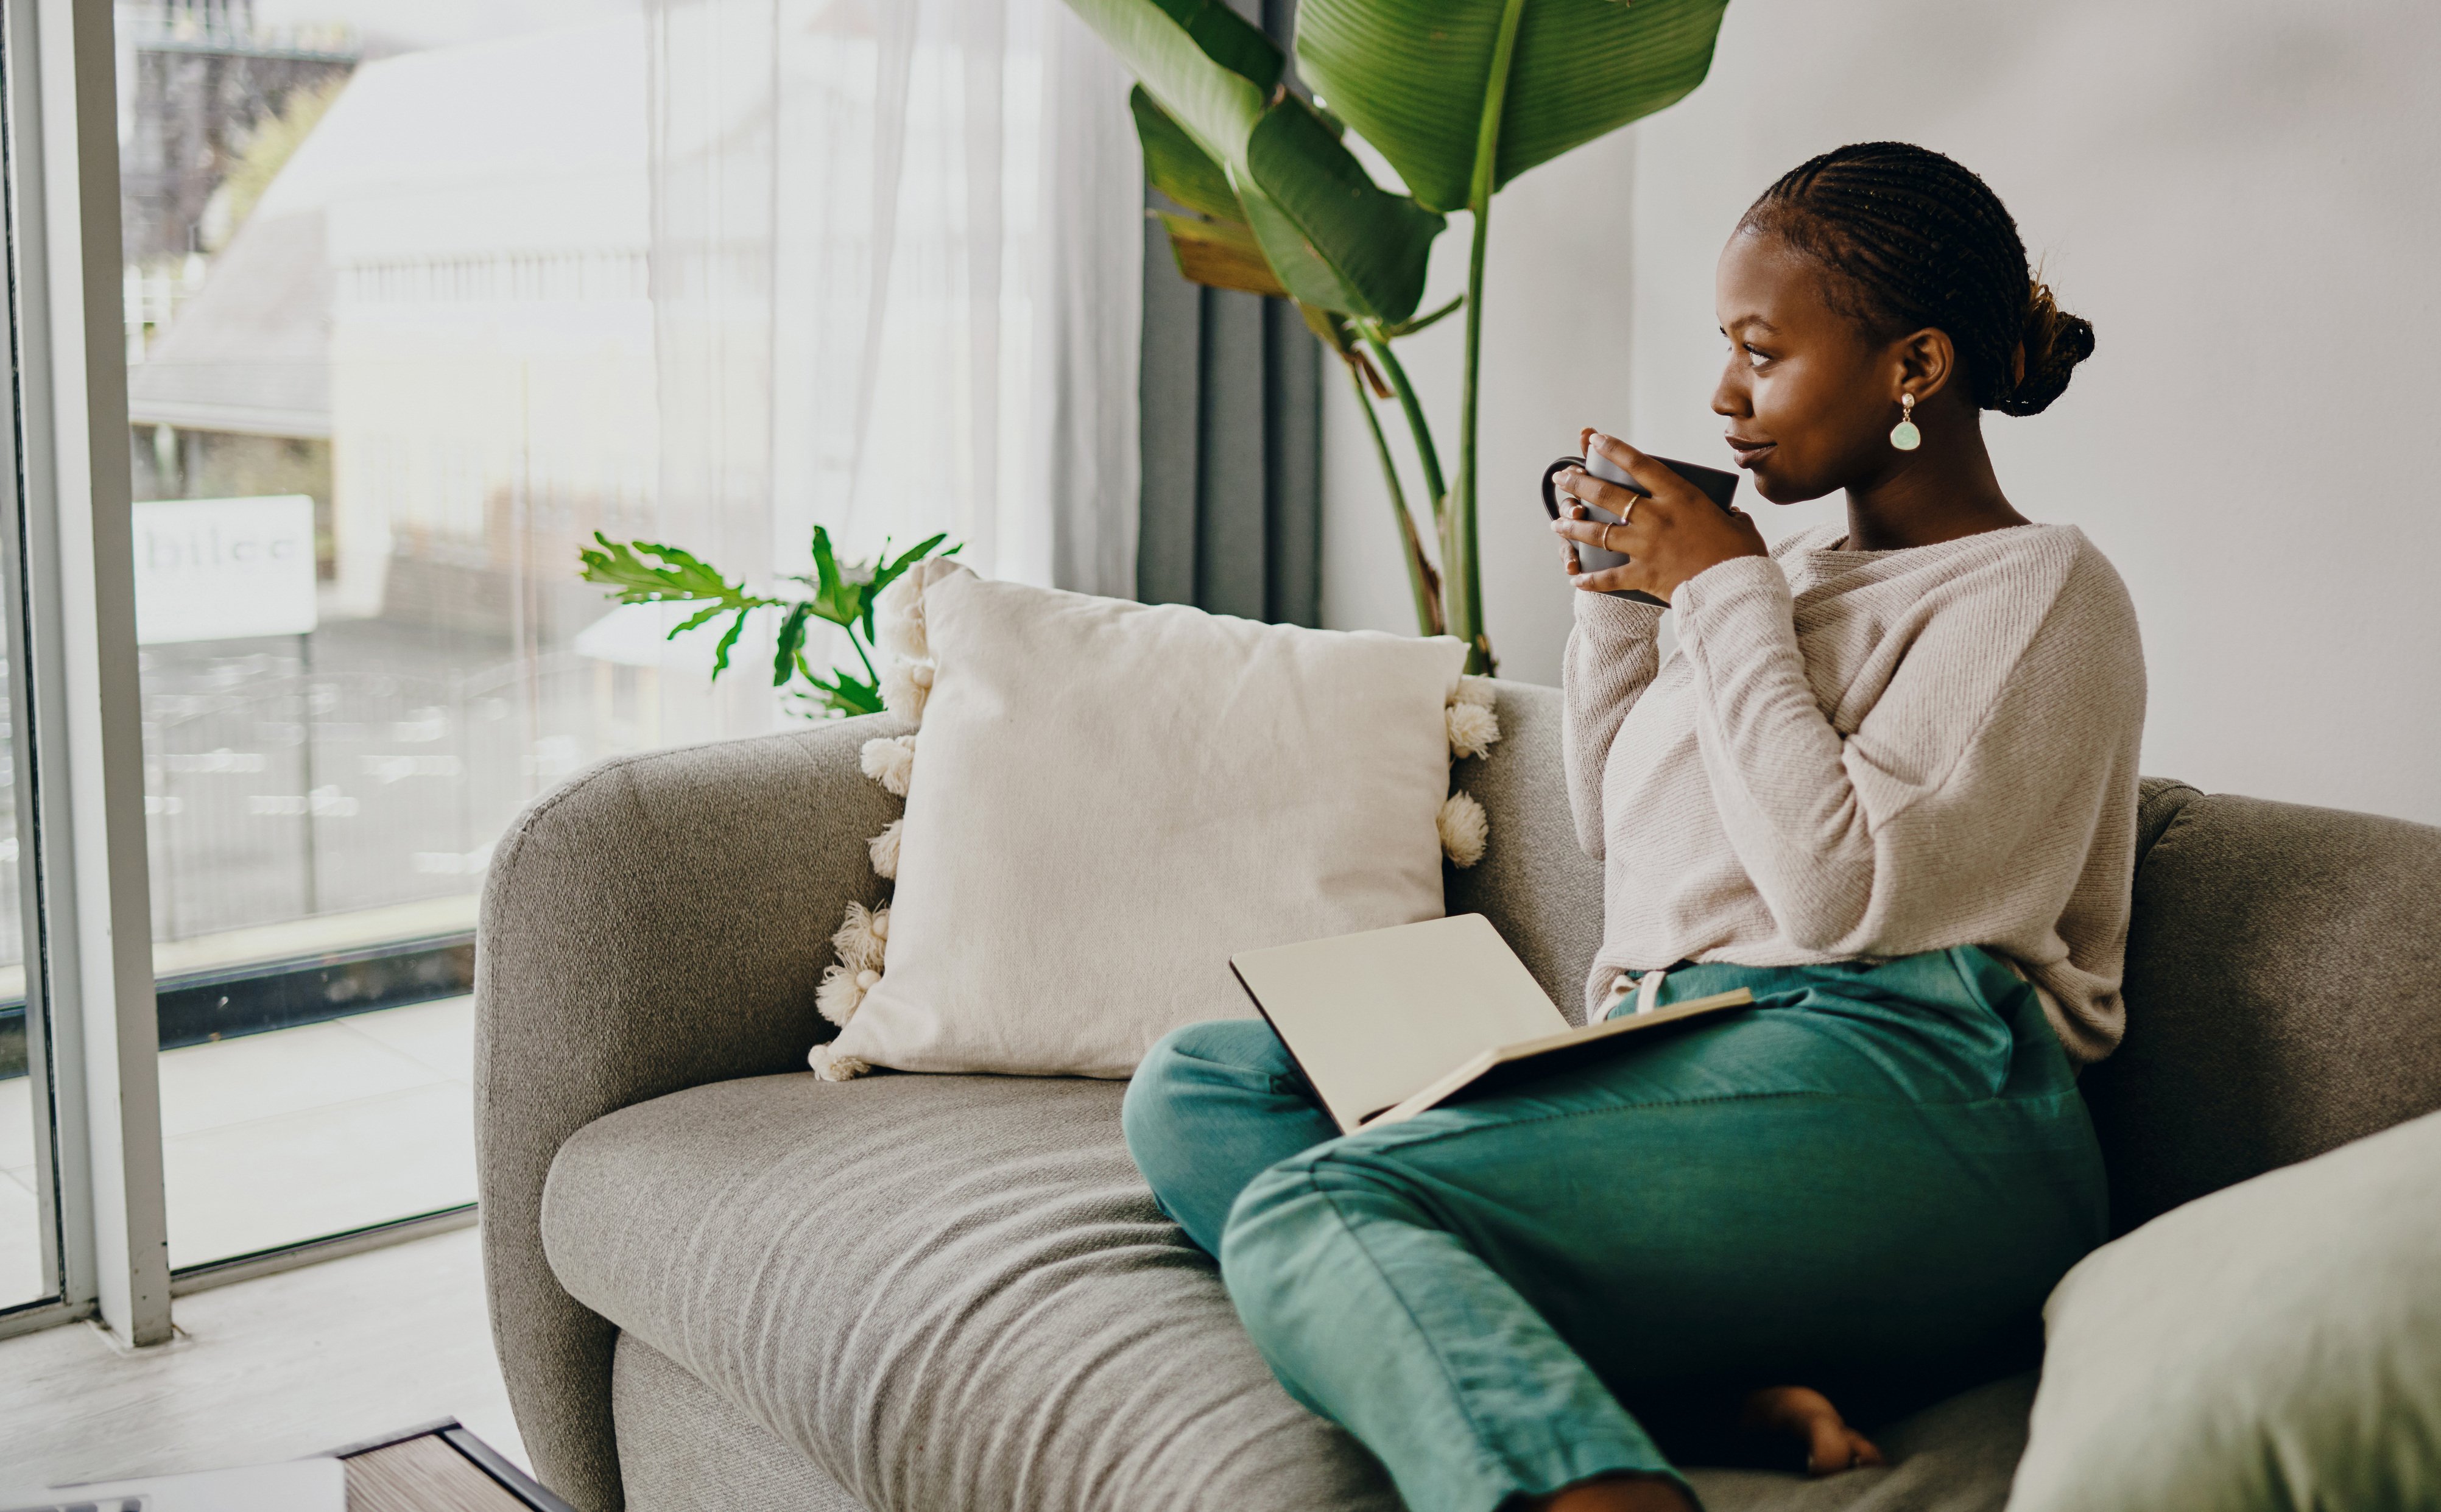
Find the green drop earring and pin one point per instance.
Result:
(1903, 435)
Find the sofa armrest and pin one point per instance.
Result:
(659, 923)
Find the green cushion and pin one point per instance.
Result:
(2276, 1345)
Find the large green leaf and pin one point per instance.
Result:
(1177, 167)
(1333, 237)
(1176, 49)
(1317, 212)
(1214, 246)
(1229, 39)
(1411, 77)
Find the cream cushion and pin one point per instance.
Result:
(1108, 800)
(2274, 1346)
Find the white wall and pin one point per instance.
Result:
(2244, 199)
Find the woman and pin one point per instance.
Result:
(1887, 783)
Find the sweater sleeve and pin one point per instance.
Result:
(1614, 650)
(1967, 797)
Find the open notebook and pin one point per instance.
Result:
(1390, 1022)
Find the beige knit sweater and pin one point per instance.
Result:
(1866, 754)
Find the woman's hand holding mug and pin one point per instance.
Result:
(1669, 534)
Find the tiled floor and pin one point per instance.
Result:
(272, 1139)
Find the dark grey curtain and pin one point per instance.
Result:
(1232, 434)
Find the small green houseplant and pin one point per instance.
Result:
(843, 593)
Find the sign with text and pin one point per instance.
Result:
(223, 568)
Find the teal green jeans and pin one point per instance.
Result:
(1870, 1179)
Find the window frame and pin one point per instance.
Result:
(68, 589)
(89, 970)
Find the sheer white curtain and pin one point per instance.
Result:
(896, 253)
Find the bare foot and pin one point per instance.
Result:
(1806, 1416)
(1616, 1493)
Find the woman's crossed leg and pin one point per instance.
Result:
(1478, 1293)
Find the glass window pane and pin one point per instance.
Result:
(22, 1169)
(28, 1223)
(390, 362)
(394, 359)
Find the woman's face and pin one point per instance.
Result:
(1810, 397)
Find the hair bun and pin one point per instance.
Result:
(2055, 341)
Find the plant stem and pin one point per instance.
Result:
(1426, 453)
(1420, 571)
(869, 676)
(1462, 567)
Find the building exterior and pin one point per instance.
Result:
(195, 79)
(440, 303)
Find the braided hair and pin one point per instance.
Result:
(1913, 239)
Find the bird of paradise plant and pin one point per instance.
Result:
(1459, 97)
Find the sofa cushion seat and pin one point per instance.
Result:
(956, 1292)
(946, 1291)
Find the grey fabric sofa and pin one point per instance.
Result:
(716, 1282)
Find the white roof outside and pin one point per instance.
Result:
(457, 159)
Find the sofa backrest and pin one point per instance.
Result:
(1534, 881)
(2284, 994)
(2284, 965)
